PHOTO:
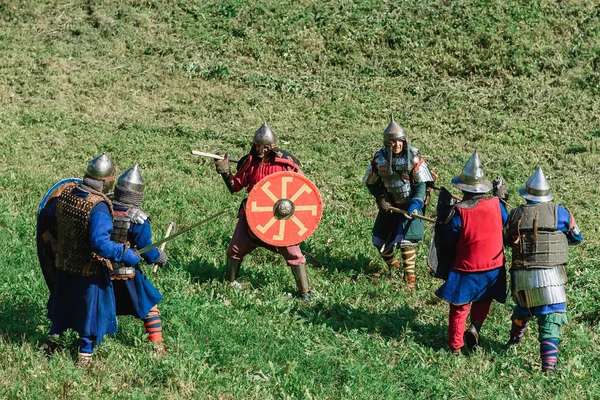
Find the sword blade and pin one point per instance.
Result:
(181, 232)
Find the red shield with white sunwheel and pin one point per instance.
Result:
(284, 208)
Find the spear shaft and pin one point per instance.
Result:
(181, 232)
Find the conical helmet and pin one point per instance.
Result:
(394, 131)
(132, 180)
(130, 187)
(100, 174)
(101, 167)
(537, 187)
(472, 178)
(264, 136)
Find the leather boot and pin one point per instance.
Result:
(455, 352)
(411, 282)
(49, 347)
(299, 272)
(84, 359)
(233, 269)
(471, 336)
(160, 350)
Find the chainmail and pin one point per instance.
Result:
(390, 156)
(128, 197)
(95, 184)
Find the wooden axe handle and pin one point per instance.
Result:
(162, 246)
(400, 211)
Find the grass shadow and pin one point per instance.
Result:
(201, 271)
(321, 257)
(19, 320)
(429, 335)
(341, 318)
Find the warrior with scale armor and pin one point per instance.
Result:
(134, 293)
(80, 227)
(398, 177)
(539, 234)
(263, 160)
(477, 276)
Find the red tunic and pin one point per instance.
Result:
(254, 169)
(479, 246)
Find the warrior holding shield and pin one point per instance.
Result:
(398, 177)
(75, 221)
(283, 207)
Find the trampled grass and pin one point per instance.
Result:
(147, 81)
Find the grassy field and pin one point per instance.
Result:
(148, 81)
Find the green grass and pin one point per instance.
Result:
(147, 81)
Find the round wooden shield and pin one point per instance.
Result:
(284, 208)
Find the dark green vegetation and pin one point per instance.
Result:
(147, 81)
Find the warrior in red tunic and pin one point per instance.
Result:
(264, 159)
(478, 276)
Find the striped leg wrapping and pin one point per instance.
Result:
(517, 330)
(409, 259)
(153, 325)
(388, 257)
(549, 354)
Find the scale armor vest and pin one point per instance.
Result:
(539, 255)
(538, 243)
(73, 248)
(399, 182)
(539, 286)
(122, 221)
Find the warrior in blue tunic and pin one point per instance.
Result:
(80, 222)
(135, 295)
(539, 234)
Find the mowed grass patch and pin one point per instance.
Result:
(148, 81)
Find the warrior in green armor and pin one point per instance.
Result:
(398, 177)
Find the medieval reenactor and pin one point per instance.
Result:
(398, 177)
(80, 223)
(134, 293)
(474, 227)
(263, 160)
(539, 234)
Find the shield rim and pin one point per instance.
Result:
(286, 173)
(53, 189)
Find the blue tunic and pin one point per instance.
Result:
(86, 304)
(467, 287)
(137, 296)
